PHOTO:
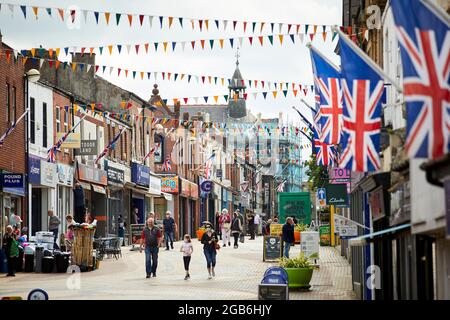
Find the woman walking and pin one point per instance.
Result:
(210, 241)
(236, 229)
(187, 250)
(225, 224)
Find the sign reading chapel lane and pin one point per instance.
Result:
(337, 195)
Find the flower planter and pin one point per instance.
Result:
(299, 277)
(200, 234)
(297, 236)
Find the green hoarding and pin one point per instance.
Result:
(295, 204)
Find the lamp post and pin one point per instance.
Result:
(33, 76)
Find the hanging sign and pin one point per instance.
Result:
(206, 186)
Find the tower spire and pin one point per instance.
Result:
(237, 56)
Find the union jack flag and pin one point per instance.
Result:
(167, 165)
(363, 89)
(152, 151)
(325, 153)
(328, 98)
(423, 33)
(209, 164)
(110, 145)
(280, 187)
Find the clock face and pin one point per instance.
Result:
(38, 294)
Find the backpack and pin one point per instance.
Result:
(14, 249)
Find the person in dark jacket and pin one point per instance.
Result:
(288, 236)
(209, 241)
(11, 250)
(236, 228)
(169, 229)
(78, 199)
(217, 225)
(151, 240)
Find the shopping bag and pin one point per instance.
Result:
(241, 238)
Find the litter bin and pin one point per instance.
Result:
(29, 259)
(19, 261)
(39, 255)
(48, 263)
(62, 262)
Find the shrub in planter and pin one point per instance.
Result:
(299, 270)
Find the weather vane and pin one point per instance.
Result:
(237, 56)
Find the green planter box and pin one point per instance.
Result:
(299, 277)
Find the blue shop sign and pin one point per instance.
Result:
(140, 174)
(12, 183)
(34, 170)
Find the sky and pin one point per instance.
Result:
(278, 63)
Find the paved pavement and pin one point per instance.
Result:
(238, 273)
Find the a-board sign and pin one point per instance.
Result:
(276, 229)
(136, 232)
(325, 235)
(272, 248)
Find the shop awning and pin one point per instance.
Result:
(98, 189)
(362, 240)
(85, 185)
(167, 196)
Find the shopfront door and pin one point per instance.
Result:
(139, 204)
(36, 210)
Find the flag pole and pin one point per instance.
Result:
(367, 59)
(311, 47)
(9, 130)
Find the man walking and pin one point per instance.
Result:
(169, 227)
(150, 240)
(53, 226)
(257, 222)
(251, 225)
(288, 235)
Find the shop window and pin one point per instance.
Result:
(13, 103)
(58, 119)
(8, 101)
(32, 121)
(44, 125)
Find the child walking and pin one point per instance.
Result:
(187, 250)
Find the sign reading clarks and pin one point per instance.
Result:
(337, 195)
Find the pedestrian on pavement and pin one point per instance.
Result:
(151, 240)
(294, 218)
(288, 235)
(210, 244)
(187, 249)
(217, 224)
(267, 229)
(78, 199)
(251, 225)
(257, 222)
(236, 229)
(11, 249)
(169, 227)
(225, 226)
(53, 226)
(121, 229)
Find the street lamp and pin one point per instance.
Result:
(32, 76)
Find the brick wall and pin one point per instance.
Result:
(12, 153)
(61, 101)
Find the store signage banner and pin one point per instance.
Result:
(115, 175)
(155, 184)
(34, 170)
(185, 188)
(88, 148)
(194, 190)
(140, 174)
(170, 184)
(48, 174)
(377, 204)
(337, 195)
(12, 180)
(65, 174)
(92, 174)
(73, 140)
(206, 186)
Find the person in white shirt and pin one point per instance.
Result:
(187, 249)
(257, 224)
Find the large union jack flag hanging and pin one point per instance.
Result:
(363, 89)
(328, 98)
(325, 153)
(167, 166)
(423, 33)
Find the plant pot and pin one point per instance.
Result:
(200, 234)
(297, 236)
(299, 277)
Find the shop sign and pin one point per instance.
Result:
(48, 174)
(206, 186)
(65, 174)
(155, 184)
(88, 148)
(194, 190)
(73, 140)
(185, 188)
(169, 184)
(91, 174)
(272, 247)
(12, 180)
(337, 195)
(140, 174)
(115, 176)
(34, 170)
(339, 175)
(377, 204)
(345, 227)
(325, 235)
(219, 173)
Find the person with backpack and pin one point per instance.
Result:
(11, 249)
(236, 229)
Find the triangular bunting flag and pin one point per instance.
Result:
(107, 14)
(170, 21)
(24, 11)
(141, 19)
(217, 24)
(281, 39)
(118, 15)
(130, 19)
(271, 39)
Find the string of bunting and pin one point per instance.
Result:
(169, 76)
(73, 15)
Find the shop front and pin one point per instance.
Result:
(155, 192)
(141, 198)
(94, 182)
(170, 188)
(42, 188)
(189, 207)
(64, 194)
(12, 199)
(118, 200)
